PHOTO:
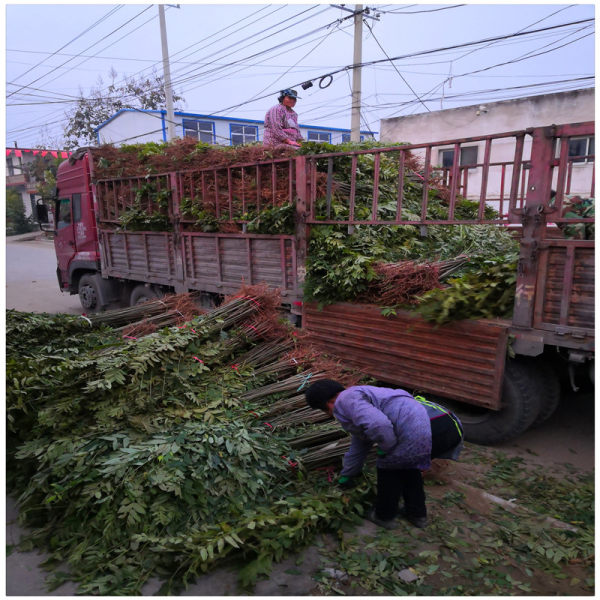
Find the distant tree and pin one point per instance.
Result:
(102, 102)
(42, 170)
(16, 220)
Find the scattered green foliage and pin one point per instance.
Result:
(465, 552)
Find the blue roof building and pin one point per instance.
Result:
(131, 126)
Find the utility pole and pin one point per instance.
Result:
(356, 74)
(167, 74)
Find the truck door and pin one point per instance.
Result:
(68, 213)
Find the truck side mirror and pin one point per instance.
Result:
(41, 213)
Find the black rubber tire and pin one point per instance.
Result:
(521, 405)
(141, 294)
(547, 385)
(88, 293)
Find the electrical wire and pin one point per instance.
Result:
(424, 53)
(411, 55)
(295, 65)
(520, 30)
(55, 68)
(395, 68)
(242, 68)
(153, 18)
(479, 94)
(95, 24)
(186, 76)
(176, 71)
(415, 12)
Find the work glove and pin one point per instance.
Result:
(381, 452)
(346, 482)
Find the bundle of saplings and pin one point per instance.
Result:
(169, 453)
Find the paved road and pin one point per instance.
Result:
(31, 283)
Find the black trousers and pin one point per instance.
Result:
(408, 483)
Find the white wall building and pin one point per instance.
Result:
(493, 118)
(131, 126)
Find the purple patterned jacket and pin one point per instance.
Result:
(281, 124)
(390, 418)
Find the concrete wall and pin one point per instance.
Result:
(492, 118)
(132, 127)
(498, 117)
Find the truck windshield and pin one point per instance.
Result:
(64, 213)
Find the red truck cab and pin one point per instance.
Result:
(76, 237)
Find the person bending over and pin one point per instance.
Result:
(408, 432)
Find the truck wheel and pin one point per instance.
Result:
(142, 293)
(521, 405)
(547, 385)
(88, 293)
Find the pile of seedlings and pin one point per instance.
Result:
(171, 452)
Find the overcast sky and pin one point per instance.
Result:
(231, 59)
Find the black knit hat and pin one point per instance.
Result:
(321, 392)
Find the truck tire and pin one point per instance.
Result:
(521, 405)
(547, 385)
(89, 295)
(142, 293)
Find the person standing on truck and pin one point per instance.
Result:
(408, 431)
(281, 122)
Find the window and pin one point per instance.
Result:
(201, 130)
(319, 136)
(12, 168)
(243, 134)
(346, 137)
(581, 147)
(468, 156)
(64, 213)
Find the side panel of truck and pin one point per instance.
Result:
(564, 304)
(462, 360)
(184, 259)
(216, 263)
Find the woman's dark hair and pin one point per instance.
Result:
(321, 392)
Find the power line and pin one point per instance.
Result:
(111, 44)
(218, 40)
(575, 84)
(299, 60)
(242, 67)
(396, 69)
(415, 12)
(428, 52)
(520, 30)
(188, 75)
(419, 53)
(108, 14)
(55, 68)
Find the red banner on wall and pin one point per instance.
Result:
(19, 152)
